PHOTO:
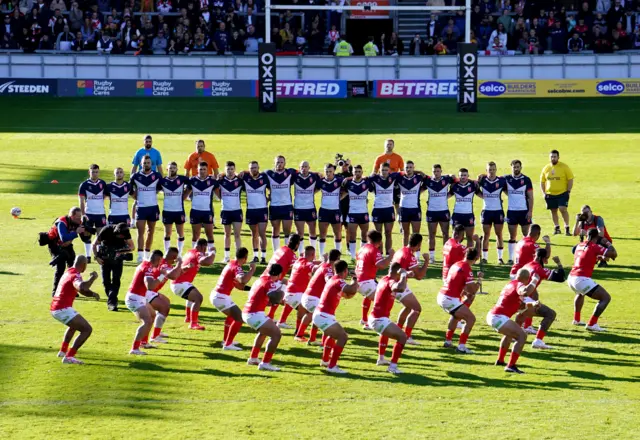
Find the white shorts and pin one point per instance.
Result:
(403, 295)
(448, 304)
(581, 285)
(310, 303)
(135, 302)
(151, 295)
(323, 320)
(64, 315)
(181, 289)
(293, 299)
(255, 320)
(221, 301)
(496, 321)
(368, 288)
(379, 324)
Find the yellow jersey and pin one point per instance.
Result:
(555, 178)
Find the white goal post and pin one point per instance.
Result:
(269, 7)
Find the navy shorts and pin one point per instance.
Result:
(255, 216)
(410, 215)
(96, 220)
(281, 212)
(201, 217)
(492, 217)
(466, 220)
(383, 215)
(517, 218)
(171, 217)
(230, 217)
(115, 219)
(305, 215)
(149, 213)
(358, 219)
(554, 202)
(331, 216)
(438, 216)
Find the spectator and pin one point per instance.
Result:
(500, 34)
(603, 6)
(199, 43)
(164, 7)
(601, 22)
(316, 40)
(459, 23)
(25, 6)
(417, 46)
(64, 39)
(497, 48)
(301, 42)
(451, 29)
(523, 43)
(507, 22)
(289, 45)
(558, 37)
(58, 4)
(518, 32)
(128, 31)
(185, 44)
(134, 43)
(433, 27)
(571, 23)
(76, 17)
(276, 38)
(45, 43)
(534, 43)
(615, 14)
(429, 46)
(251, 19)
(105, 45)
(396, 46)
(172, 47)
(239, 7)
(6, 26)
(220, 40)
(77, 45)
(617, 41)
(159, 44)
(586, 14)
(146, 6)
(484, 33)
(118, 48)
(251, 41)
(8, 42)
(476, 17)
(236, 44)
(487, 7)
(451, 41)
(601, 43)
(575, 44)
(286, 33)
(333, 37)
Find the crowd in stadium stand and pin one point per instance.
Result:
(144, 27)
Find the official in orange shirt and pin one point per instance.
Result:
(396, 164)
(200, 155)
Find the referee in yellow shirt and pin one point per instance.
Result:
(556, 182)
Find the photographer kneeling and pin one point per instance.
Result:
(586, 220)
(112, 247)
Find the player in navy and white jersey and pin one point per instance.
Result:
(464, 190)
(91, 194)
(144, 190)
(357, 190)
(304, 205)
(202, 187)
(520, 205)
(490, 191)
(231, 213)
(280, 203)
(437, 187)
(329, 214)
(118, 194)
(256, 185)
(411, 185)
(175, 189)
(383, 214)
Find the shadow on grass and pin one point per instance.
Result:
(6, 272)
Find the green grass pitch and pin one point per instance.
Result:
(588, 387)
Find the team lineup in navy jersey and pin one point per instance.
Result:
(310, 277)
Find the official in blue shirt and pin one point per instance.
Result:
(156, 157)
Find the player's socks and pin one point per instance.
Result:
(501, 354)
(449, 335)
(417, 255)
(64, 347)
(432, 254)
(286, 240)
(397, 352)
(255, 254)
(513, 359)
(71, 353)
(301, 329)
(167, 244)
(366, 305)
(335, 356)
(227, 253)
(267, 357)
(463, 338)
(313, 334)
(593, 320)
(512, 248)
(362, 243)
(194, 317)
(298, 322)
(264, 253)
(352, 249)
(326, 351)
(408, 331)
(528, 322)
(210, 245)
(301, 247)
(540, 334)
(140, 254)
(180, 245)
(136, 345)
(485, 254)
(337, 244)
(576, 316)
(193, 244)
(285, 313)
(87, 250)
(255, 352)
(233, 331)
(323, 243)
(158, 322)
(382, 345)
(275, 242)
(313, 242)
(147, 253)
(500, 253)
(156, 332)
(227, 325)
(272, 312)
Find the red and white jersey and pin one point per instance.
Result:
(164, 266)
(258, 299)
(459, 275)
(525, 253)
(366, 262)
(452, 252)
(331, 295)
(192, 260)
(67, 289)
(300, 275)
(383, 301)
(585, 259)
(319, 280)
(285, 257)
(145, 269)
(536, 268)
(509, 301)
(227, 280)
(406, 258)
